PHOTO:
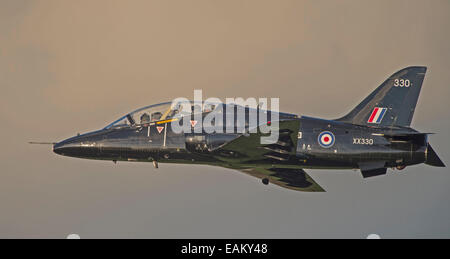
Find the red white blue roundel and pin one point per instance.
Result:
(326, 139)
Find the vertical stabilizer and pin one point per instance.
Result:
(392, 103)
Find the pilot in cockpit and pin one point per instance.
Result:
(145, 118)
(156, 116)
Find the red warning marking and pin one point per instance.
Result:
(193, 123)
(159, 128)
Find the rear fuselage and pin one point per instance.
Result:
(354, 144)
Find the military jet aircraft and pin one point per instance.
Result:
(374, 136)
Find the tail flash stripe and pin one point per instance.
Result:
(377, 115)
(380, 117)
(373, 115)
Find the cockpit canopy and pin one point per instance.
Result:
(170, 110)
(161, 112)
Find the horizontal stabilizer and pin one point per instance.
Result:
(371, 169)
(432, 158)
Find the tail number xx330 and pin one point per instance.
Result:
(362, 141)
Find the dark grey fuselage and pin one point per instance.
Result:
(353, 145)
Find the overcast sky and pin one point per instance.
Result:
(75, 66)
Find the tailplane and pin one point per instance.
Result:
(392, 103)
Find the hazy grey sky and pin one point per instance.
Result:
(75, 66)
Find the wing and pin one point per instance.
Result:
(247, 149)
(290, 178)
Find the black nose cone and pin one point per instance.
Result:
(58, 148)
(82, 146)
(68, 147)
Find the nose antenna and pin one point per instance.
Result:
(41, 143)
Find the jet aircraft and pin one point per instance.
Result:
(372, 137)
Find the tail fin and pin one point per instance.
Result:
(432, 158)
(392, 103)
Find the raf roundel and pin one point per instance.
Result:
(326, 139)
